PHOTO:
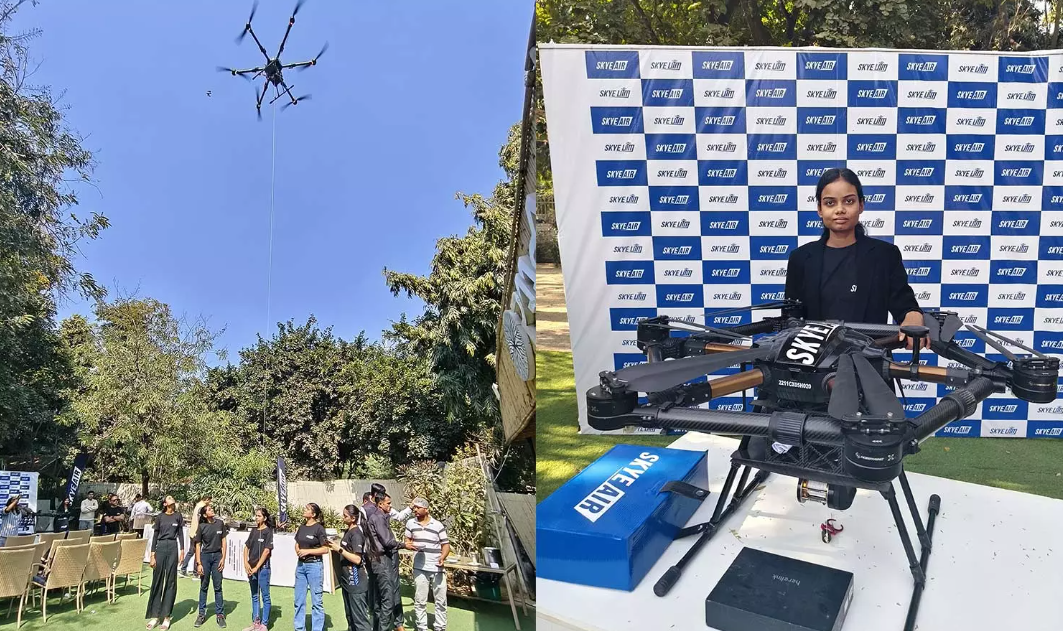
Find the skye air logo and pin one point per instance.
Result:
(971, 121)
(670, 94)
(1029, 96)
(829, 94)
(924, 120)
(617, 65)
(618, 93)
(627, 147)
(725, 93)
(678, 120)
(921, 66)
(872, 93)
(609, 492)
(874, 174)
(871, 147)
(675, 64)
(718, 65)
(770, 66)
(956, 430)
(974, 69)
(972, 95)
(880, 66)
(827, 65)
(771, 121)
(771, 93)
(824, 120)
(922, 95)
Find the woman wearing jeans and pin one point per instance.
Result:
(257, 550)
(311, 543)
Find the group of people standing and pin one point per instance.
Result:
(368, 568)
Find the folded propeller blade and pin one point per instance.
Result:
(844, 396)
(658, 376)
(879, 397)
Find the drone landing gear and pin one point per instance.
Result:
(709, 528)
(917, 565)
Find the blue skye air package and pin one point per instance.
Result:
(608, 525)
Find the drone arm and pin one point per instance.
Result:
(698, 393)
(956, 405)
(953, 351)
(300, 64)
(956, 377)
(260, 46)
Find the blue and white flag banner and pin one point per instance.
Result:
(684, 177)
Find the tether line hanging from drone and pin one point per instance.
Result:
(273, 70)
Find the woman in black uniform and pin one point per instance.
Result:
(167, 545)
(354, 581)
(311, 543)
(210, 559)
(257, 551)
(847, 275)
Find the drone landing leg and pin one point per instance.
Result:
(918, 566)
(708, 529)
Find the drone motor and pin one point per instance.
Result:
(873, 446)
(1035, 379)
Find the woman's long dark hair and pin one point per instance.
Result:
(833, 175)
(267, 518)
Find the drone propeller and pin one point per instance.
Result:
(247, 26)
(295, 101)
(236, 73)
(844, 397)
(983, 334)
(658, 376)
(949, 328)
(313, 61)
(298, 5)
(933, 326)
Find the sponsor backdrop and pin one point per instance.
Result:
(25, 484)
(684, 177)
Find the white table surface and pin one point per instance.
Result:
(997, 560)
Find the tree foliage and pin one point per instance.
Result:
(930, 24)
(463, 298)
(335, 408)
(143, 405)
(40, 158)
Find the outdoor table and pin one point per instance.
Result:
(504, 571)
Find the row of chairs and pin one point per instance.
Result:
(69, 563)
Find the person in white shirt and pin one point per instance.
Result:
(10, 519)
(89, 506)
(141, 508)
(428, 537)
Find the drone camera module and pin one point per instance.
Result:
(833, 496)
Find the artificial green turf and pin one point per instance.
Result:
(127, 613)
(1028, 465)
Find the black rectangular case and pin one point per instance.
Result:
(767, 592)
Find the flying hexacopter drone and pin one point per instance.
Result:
(274, 69)
(826, 412)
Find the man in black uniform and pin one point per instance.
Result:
(383, 544)
(210, 559)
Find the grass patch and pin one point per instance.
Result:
(1027, 465)
(128, 611)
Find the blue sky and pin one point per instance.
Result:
(410, 105)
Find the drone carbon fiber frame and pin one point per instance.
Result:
(828, 401)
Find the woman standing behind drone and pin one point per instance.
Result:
(847, 275)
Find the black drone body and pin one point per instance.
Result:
(273, 70)
(826, 411)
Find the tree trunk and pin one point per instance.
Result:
(144, 483)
